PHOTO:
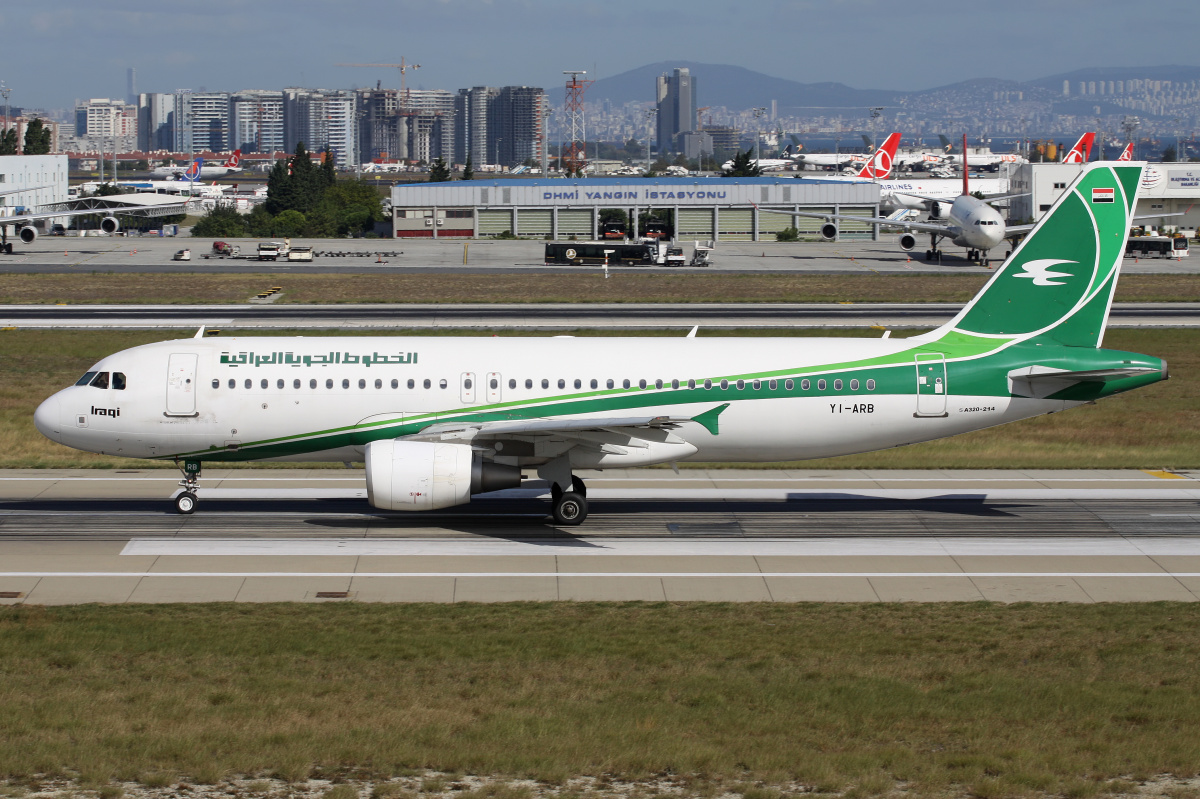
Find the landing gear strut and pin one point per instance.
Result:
(570, 507)
(185, 500)
(933, 253)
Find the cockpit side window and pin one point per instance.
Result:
(100, 381)
(87, 378)
(118, 381)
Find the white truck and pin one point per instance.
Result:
(272, 251)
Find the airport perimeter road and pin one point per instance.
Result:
(150, 254)
(280, 535)
(539, 316)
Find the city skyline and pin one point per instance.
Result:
(69, 52)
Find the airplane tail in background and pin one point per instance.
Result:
(1127, 153)
(1082, 150)
(1057, 286)
(193, 170)
(880, 165)
(235, 160)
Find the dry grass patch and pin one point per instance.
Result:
(585, 287)
(940, 699)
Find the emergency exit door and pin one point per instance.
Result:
(181, 384)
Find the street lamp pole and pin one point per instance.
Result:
(758, 114)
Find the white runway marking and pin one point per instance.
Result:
(672, 547)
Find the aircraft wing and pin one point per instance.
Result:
(113, 205)
(581, 429)
(19, 191)
(882, 221)
(987, 198)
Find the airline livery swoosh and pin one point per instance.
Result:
(1040, 272)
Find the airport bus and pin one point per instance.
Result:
(593, 252)
(1157, 246)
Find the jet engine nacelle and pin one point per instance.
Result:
(939, 210)
(28, 234)
(109, 224)
(907, 241)
(421, 475)
(829, 231)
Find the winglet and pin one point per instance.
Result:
(200, 332)
(708, 419)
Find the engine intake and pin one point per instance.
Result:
(907, 241)
(421, 475)
(109, 224)
(28, 234)
(829, 231)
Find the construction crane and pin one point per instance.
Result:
(700, 111)
(404, 68)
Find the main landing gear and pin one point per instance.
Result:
(933, 254)
(186, 500)
(570, 507)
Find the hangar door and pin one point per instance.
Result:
(770, 223)
(575, 222)
(534, 222)
(806, 224)
(494, 222)
(694, 223)
(737, 224)
(849, 229)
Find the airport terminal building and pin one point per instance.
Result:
(718, 209)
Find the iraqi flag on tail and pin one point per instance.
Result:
(1103, 194)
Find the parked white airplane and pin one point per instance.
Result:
(966, 220)
(197, 171)
(981, 158)
(438, 419)
(108, 207)
(765, 164)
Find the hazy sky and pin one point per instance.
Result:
(57, 51)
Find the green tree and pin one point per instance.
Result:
(37, 138)
(439, 172)
(1170, 153)
(280, 190)
(468, 169)
(744, 166)
(8, 142)
(289, 223)
(221, 222)
(259, 222)
(329, 169)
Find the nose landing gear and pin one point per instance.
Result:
(186, 500)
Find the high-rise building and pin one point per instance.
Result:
(256, 121)
(517, 124)
(156, 122)
(201, 122)
(430, 126)
(471, 124)
(102, 124)
(676, 97)
(322, 119)
(378, 134)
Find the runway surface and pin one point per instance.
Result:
(72, 254)
(720, 535)
(546, 316)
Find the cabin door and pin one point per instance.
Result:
(931, 384)
(181, 384)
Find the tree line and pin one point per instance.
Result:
(37, 139)
(303, 199)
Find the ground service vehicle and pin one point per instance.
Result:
(1157, 246)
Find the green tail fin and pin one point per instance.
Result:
(1058, 284)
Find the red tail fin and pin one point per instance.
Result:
(234, 159)
(1127, 153)
(1082, 150)
(879, 167)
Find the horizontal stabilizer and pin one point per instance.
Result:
(1042, 381)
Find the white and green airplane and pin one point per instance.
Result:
(437, 420)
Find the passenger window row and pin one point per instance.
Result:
(313, 383)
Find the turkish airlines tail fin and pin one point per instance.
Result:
(1127, 153)
(880, 165)
(234, 160)
(1082, 150)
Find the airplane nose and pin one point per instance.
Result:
(48, 418)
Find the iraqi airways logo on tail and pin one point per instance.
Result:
(1039, 271)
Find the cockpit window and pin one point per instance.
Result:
(118, 382)
(87, 378)
(100, 380)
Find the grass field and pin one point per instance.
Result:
(980, 700)
(589, 286)
(1154, 428)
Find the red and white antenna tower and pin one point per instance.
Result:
(575, 157)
